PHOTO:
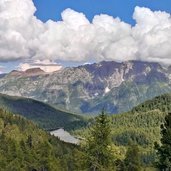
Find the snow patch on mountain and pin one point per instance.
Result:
(107, 90)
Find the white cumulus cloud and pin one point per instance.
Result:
(152, 34)
(75, 38)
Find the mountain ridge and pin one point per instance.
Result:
(91, 87)
(42, 114)
(26, 73)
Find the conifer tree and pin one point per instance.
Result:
(164, 150)
(98, 146)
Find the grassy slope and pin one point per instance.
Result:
(43, 114)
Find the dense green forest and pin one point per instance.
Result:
(25, 147)
(163, 149)
(134, 133)
(44, 115)
(140, 126)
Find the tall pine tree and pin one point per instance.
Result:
(98, 146)
(164, 150)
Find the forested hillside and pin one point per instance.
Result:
(44, 115)
(25, 147)
(31, 148)
(142, 123)
(140, 126)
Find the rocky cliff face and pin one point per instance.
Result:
(117, 87)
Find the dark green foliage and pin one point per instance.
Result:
(132, 161)
(164, 150)
(163, 103)
(120, 165)
(131, 136)
(43, 114)
(29, 141)
(98, 153)
(25, 147)
(141, 126)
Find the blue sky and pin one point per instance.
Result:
(51, 9)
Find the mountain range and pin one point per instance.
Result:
(88, 89)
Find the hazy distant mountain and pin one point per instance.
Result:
(2, 75)
(117, 87)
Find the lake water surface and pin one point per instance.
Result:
(65, 136)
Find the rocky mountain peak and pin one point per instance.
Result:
(29, 72)
(34, 71)
(15, 73)
(118, 86)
